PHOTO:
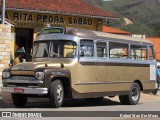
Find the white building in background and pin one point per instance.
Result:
(139, 36)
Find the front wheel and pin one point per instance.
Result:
(133, 97)
(19, 100)
(56, 93)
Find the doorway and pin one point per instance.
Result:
(24, 38)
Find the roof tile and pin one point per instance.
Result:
(66, 6)
(114, 31)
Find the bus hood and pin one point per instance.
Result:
(29, 66)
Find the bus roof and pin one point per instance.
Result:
(95, 35)
(101, 35)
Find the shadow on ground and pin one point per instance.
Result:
(73, 103)
(6, 102)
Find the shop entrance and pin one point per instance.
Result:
(24, 38)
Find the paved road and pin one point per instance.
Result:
(147, 103)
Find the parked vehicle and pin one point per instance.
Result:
(77, 63)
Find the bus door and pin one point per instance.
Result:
(120, 69)
(86, 70)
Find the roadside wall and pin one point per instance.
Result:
(5, 33)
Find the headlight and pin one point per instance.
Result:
(39, 75)
(6, 74)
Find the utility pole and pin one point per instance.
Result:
(3, 11)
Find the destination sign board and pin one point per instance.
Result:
(52, 30)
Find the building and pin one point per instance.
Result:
(30, 16)
(115, 31)
(156, 42)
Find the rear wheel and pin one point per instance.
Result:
(56, 93)
(94, 100)
(19, 100)
(133, 97)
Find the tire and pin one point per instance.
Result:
(94, 100)
(133, 97)
(19, 100)
(56, 93)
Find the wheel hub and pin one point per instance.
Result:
(135, 94)
(59, 93)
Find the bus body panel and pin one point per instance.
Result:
(93, 76)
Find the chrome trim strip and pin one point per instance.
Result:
(149, 81)
(114, 82)
(87, 83)
(21, 81)
(99, 60)
(26, 90)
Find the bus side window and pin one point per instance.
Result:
(86, 48)
(101, 49)
(118, 50)
(151, 53)
(138, 52)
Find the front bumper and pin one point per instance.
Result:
(32, 91)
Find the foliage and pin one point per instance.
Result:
(143, 13)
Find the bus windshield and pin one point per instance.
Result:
(55, 49)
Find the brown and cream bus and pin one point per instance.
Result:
(77, 63)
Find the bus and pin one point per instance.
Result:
(77, 63)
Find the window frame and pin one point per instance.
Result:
(118, 43)
(138, 45)
(106, 49)
(50, 43)
(153, 52)
(48, 48)
(58, 40)
(93, 48)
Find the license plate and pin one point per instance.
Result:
(18, 90)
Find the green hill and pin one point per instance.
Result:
(145, 15)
